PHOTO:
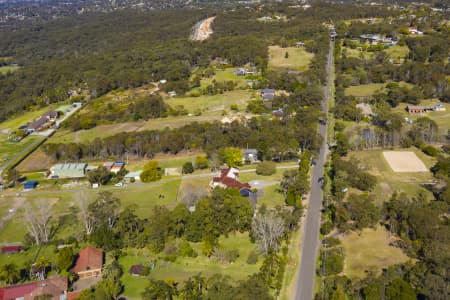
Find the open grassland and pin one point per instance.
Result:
(358, 53)
(390, 181)
(223, 75)
(214, 104)
(298, 58)
(102, 131)
(369, 251)
(185, 267)
(211, 107)
(397, 53)
(442, 118)
(366, 90)
(9, 149)
(63, 201)
(8, 69)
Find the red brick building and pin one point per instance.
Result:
(89, 263)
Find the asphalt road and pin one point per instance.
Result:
(307, 272)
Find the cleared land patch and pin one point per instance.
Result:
(369, 251)
(8, 69)
(298, 58)
(404, 161)
(213, 104)
(366, 90)
(389, 181)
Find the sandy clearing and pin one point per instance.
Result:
(203, 29)
(404, 161)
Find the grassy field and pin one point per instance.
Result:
(102, 131)
(358, 53)
(298, 58)
(186, 267)
(8, 149)
(397, 53)
(214, 104)
(369, 251)
(389, 181)
(222, 75)
(366, 90)
(212, 108)
(8, 69)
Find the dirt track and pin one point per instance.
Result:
(203, 30)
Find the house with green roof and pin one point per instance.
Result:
(68, 170)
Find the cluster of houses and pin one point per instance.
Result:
(419, 110)
(88, 264)
(229, 176)
(246, 71)
(79, 170)
(374, 39)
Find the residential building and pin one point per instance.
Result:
(134, 174)
(241, 71)
(42, 121)
(250, 156)
(11, 249)
(30, 185)
(114, 167)
(415, 109)
(414, 31)
(229, 178)
(439, 107)
(55, 287)
(89, 263)
(267, 94)
(68, 170)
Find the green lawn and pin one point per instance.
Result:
(102, 131)
(184, 268)
(389, 181)
(7, 69)
(397, 53)
(223, 75)
(298, 58)
(366, 90)
(9, 149)
(145, 196)
(358, 53)
(214, 104)
(369, 251)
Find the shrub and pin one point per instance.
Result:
(152, 172)
(266, 168)
(232, 255)
(188, 168)
(430, 150)
(201, 162)
(234, 107)
(186, 250)
(326, 228)
(252, 258)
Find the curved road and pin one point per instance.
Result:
(307, 272)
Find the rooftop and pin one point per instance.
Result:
(89, 258)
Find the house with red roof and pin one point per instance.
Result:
(55, 286)
(89, 263)
(229, 178)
